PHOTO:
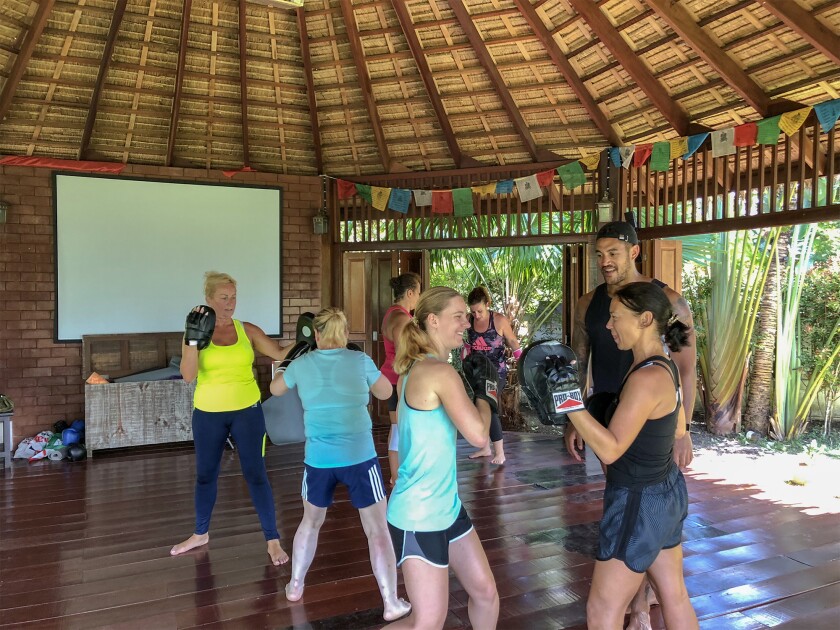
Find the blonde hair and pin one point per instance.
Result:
(331, 324)
(414, 342)
(213, 279)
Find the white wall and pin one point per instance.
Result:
(131, 254)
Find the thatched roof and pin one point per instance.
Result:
(351, 87)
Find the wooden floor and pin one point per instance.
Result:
(86, 545)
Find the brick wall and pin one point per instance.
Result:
(44, 379)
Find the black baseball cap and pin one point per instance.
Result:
(621, 230)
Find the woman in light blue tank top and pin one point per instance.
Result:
(430, 528)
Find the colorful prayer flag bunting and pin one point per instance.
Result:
(627, 154)
(745, 134)
(400, 200)
(768, 130)
(422, 198)
(572, 175)
(504, 186)
(643, 152)
(790, 122)
(485, 189)
(442, 202)
(679, 147)
(660, 158)
(528, 188)
(380, 197)
(615, 156)
(591, 162)
(723, 142)
(545, 178)
(346, 189)
(694, 143)
(364, 192)
(828, 113)
(462, 199)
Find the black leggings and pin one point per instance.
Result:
(210, 432)
(495, 422)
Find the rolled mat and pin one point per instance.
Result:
(57, 454)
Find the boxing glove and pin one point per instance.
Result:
(562, 380)
(198, 330)
(483, 377)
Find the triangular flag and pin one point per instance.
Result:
(791, 121)
(545, 178)
(828, 113)
(694, 143)
(442, 201)
(380, 197)
(346, 189)
(679, 147)
(591, 161)
(485, 189)
(768, 130)
(615, 156)
(723, 142)
(422, 198)
(504, 187)
(364, 192)
(572, 175)
(462, 199)
(400, 200)
(627, 154)
(745, 134)
(660, 158)
(643, 152)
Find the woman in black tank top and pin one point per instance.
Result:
(645, 500)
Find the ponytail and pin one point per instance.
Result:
(676, 334)
(414, 342)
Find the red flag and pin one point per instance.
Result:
(643, 152)
(442, 202)
(63, 165)
(745, 135)
(346, 189)
(244, 169)
(545, 178)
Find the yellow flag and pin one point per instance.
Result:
(791, 121)
(485, 189)
(679, 147)
(380, 197)
(591, 162)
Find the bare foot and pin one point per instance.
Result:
(294, 590)
(639, 621)
(499, 459)
(396, 610)
(275, 551)
(196, 540)
(484, 452)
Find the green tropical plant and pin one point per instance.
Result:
(738, 268)
(521, 280)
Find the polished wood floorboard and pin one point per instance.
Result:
(86, 545)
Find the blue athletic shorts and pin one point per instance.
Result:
(430, 547)
(364, 481)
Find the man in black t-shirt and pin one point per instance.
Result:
(617, 247)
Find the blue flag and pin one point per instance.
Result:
(400, 198)
(504, 186)
(694, 143)
(827, 113)
(615, 156)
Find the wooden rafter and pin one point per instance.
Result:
(805, 24)
(486, 61)
(243, 82)
(634, 66)
(22, 59)
(104, 66)
(568, 72)
(310, 88)
(684, 25)
(364, 83)
(463, 161)
(179, 81)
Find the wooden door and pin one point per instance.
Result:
(662, 259)
(577, 280)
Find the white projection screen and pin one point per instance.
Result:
(130, 254)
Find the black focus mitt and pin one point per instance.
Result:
(483, 378)
(199, 327)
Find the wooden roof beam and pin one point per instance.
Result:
(806, 25)
(26, 49)
(104, 66)
(243, 83)
(484, 58)
(634, 66)
(598, 117)
(310, 89)
(463, 161)
(692, 34)
(364, 83)
(179, 81)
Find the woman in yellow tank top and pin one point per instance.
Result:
(227, 402)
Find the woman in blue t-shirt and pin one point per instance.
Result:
(334, 385)
(430, 528)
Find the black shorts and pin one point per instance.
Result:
(430, 547)
(394, 400)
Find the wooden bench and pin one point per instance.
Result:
(135, 413)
